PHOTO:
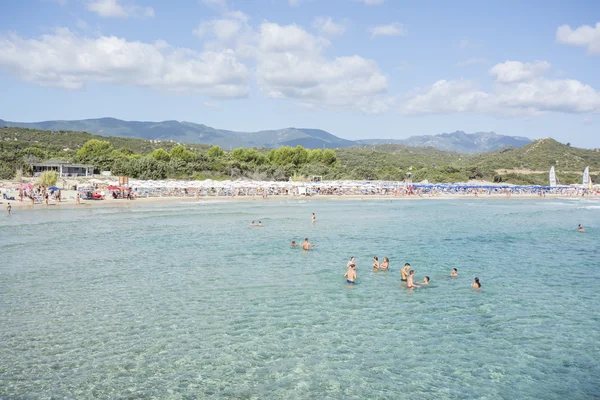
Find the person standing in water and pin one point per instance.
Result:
(351, 262)
(426, 280)
(350, 275)
(385, 264)
(404, 272)
(259, 224)
(8, 209)
(580, 228)
(252, 223)
(410, 283)
(454, 272)
(307, 245)
(375, 263)
(294, 244)
(314, 218)
(476, 284)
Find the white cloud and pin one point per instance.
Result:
(373, 2)
(535, 97)
(471, 61)
(584, 36)
(65, 59)
(394, 29)
(516, 71)
(294, 3)
(326, 26)
(446, 97)
(276, 38)
(290, 65)
(112, 9)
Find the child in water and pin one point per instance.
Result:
(476, 284)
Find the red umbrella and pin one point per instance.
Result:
(112, 187)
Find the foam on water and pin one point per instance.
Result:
(182, 301)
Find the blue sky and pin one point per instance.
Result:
(356, 68)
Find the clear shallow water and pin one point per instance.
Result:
(187, 301)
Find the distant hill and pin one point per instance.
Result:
(189, 132)
(459, 141)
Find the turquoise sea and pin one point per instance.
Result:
(186, 301)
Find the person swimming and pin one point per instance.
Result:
(294, 244)
(350, 275)
(252, 223)
(454, 272)
(385, 264)
(404, 272)
(410, 283)
(476, 284)
(375, 262)
(306, 245)
(426, 280)
(259, 223)
(580, 228)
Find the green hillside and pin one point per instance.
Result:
(157, 160)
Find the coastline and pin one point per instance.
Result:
(69, 203)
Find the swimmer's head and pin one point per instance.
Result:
(426, 279)
(477, 280)
(407, 265)
(375, 258)
(454, 270)
(306, 239)
(386, 259)
(293, 242)
(412, 272)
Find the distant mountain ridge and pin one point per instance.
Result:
(459, 141)
(189, 132)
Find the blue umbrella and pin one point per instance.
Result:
(53, 188)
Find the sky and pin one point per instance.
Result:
(356, 68)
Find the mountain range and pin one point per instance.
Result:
(189, 132)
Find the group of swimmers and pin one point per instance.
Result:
(306, 245)
(259, 224)
(406, 273)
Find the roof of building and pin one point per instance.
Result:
(58, 163)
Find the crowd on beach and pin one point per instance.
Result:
(39, 194)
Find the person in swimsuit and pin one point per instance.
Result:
(454, 272)
(404, 272)
(259, 223)
(306, 245)
(350, 275)
(580, 228)
(351, 262)
(476, 284)
(8, 209)
(426, 280)
(252, 223)
(375, 263)
(294, 244)
(385, 264)
(410, 283)
(314, 218)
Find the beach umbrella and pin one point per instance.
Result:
(28, 186)
(53, 188)
(112, 187)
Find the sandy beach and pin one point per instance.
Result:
(69, 201)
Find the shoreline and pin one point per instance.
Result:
(108, 203)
